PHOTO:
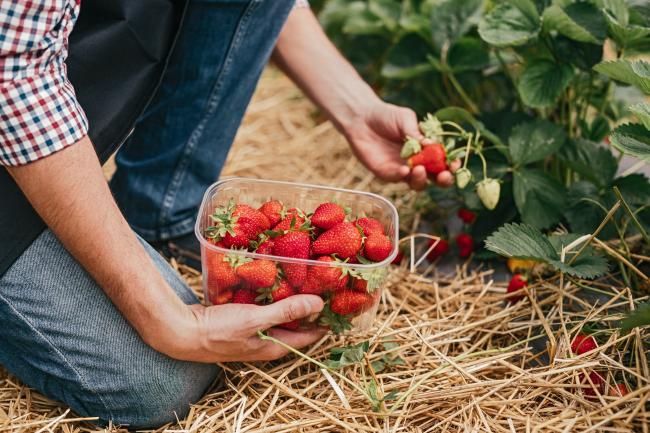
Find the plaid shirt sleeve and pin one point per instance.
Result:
(39, 112)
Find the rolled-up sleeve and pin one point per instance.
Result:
(39, 112)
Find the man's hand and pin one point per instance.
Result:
(223, 333)
(377, 136)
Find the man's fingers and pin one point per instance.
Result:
(408, 122)
(418, 178)
(296, 339)
(287, 310)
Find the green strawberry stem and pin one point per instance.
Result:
(468, 149)
(484, 162)
(266, 337)
(454, 125)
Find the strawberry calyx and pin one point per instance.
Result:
(335, 322)
(224, 222)
(411, 147)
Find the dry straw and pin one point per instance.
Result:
(469, 358)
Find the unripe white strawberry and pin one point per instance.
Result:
(488, 191)
(463, 176)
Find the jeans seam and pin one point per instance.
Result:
(58, 352)
(179, 172)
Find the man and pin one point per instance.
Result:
(90, 314)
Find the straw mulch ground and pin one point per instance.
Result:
(468, 359)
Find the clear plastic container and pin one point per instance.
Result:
(254, 192)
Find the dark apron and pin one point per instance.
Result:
(117, 55)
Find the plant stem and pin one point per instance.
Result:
(470, 104)
(632, 215)
(484, 162)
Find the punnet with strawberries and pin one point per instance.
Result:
(263, 241)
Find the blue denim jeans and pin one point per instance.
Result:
(59, 333)
(180, 144)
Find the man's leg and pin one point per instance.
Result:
(60, 334)
(181, 142)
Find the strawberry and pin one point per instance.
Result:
(327, 215)
(350, 302)
(219, 296)
(244, 296)
(236, 225)
(370, 225)
(583, 343)
(466, 215)
(272, 210)
(432, 157)
(294, 244)
(265, 247)
(360, 285)
(258, 273)
(343, 240)
(515, 286)
(322, 279)
(488, 190)
(398, 258)
(463, 177)
(279, 291)
(618, 390)
(295, 273)
(221, 273)
(294, 325)
(439, 250)
(597, 385)
(377, 247)
(455, 165)
(465, 245)
(249, 216)
(292, 219)
(445, 179)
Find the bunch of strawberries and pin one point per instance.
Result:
(328, 237)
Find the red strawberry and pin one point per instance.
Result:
(322, 279)
(432, 157)
(618, 390)
(272, 210)
(465, 245)
(343, 240)
(265, 247)
(398, 258)
(350, 302)
(282, 291)
(377, 247)
(239, 237)
(244, 296)
(516, 284)
(466, 215)
(247, 215)
(258, 273)
(293, 215)
(583, 343)
(597, 385)
(439, 250)
(236, 225)
(294, 325)
(295, 273)
(370, 225)
(293, 244)
(219, 296)
(221, 273)
(327, 215)
(360, 285)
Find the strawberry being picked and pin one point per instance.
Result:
(343, 239)
(427, 153)
(515, 286)
(236, 225)
(327, 215)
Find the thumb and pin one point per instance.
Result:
(289, 309)
(408, 122)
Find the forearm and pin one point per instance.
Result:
(306, 55)
(69, 192)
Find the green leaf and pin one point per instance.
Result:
(407, 58)
(462, 116)
(632, 139)
(542, 82)
(468, 54)
(637, 318)
(388, 11)
(634, 72)
(642, 112)
(510, 25)
(593, 162)
(349, 355)
(534, 141)
(364, 22)
(625, 35)
(589, 263)
(538, 197)
(635, 189)
(583, 212)
(451, 19)
(521, 241)
(581, 21)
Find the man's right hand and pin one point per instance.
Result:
(229, 332)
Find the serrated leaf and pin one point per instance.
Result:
(635, 189)
(637, 318)
(451, 19)
(510, 25)
(591, 161)
(587, 267)
(581, 21)
(642, 112)
(521, 241)
(542, 82)
(534, 141)
(539, 197)
(625, 35)
(632, 139)
(468, 54)
(634, 72)
(407, 58)
(582, 211)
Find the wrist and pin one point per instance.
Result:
(353, 107)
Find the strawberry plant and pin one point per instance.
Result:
(539, 99)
